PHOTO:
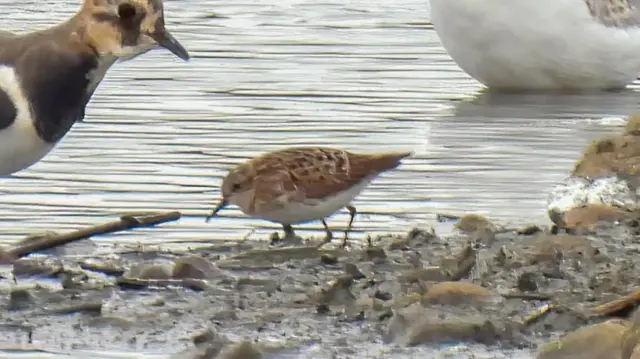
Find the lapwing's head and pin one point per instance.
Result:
(128, 28)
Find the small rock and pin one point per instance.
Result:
(471, 223)
(527, 282)
(419, 236)
(329, 259)
(242, 350)
(430, 274)
(456, 293)
(587, 217)
(21, 298)
(6, 257)
(149, 271)
(633, 125)
(398, 243)
(352, 270)
(485, 236)
(196, 267)
(33, 267)
(598, 341)
(373, 253)
(546, 247)
(383, 295)
(337, 292)
(416, 325)
(528, 230)
(631, 337)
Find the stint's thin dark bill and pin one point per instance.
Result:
(215, 211)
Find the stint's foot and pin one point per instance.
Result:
(290, 237)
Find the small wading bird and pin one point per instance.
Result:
(47, 77)
(542, 44)
(303, 184)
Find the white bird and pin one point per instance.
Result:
(542, 44)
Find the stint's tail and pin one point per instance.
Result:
(387, 161)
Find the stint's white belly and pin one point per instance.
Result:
(536, 44)
(20, 145)
(296, 212)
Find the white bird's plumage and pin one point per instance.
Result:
(542, 44)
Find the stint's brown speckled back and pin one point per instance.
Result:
(307, 172)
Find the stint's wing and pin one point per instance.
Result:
(615, 13)
(312, 173)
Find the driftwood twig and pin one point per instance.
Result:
(138, 283)
(526, 296)
(624, 304)
(537, 314)
(125, 222)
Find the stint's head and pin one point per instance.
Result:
(127, 28)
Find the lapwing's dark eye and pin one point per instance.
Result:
(235, 187)
(126, 11)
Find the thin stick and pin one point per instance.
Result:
(610, 308)
(124, 223)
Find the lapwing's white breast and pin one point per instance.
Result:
(20, 145)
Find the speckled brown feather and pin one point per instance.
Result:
(312, 173)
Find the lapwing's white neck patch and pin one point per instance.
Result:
(20, 145)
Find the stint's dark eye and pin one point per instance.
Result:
(236, 187)
(126, 11)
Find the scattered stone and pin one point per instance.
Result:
(111, 267)
(20, 299)
(35, 267)
(528, 282)
(195, 267)
(472, 223)
(632, 126)
(328, 259)
(419, 237)
(461, 265)
(457, 293)
(399, 243)
(242, 350)
(428, 274)
(547, 247)
(529, 230)
(598, 341)
(149, 271)
(416, 325)
(337, 292)
(374, 253)
(631, 337)
(383, 295)
(87, 307)
(353, 271)
(585, 218)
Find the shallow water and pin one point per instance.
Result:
(361, 75)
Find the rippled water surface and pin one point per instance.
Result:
(362, 75)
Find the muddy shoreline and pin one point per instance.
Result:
(511, 288)
(563, 290)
